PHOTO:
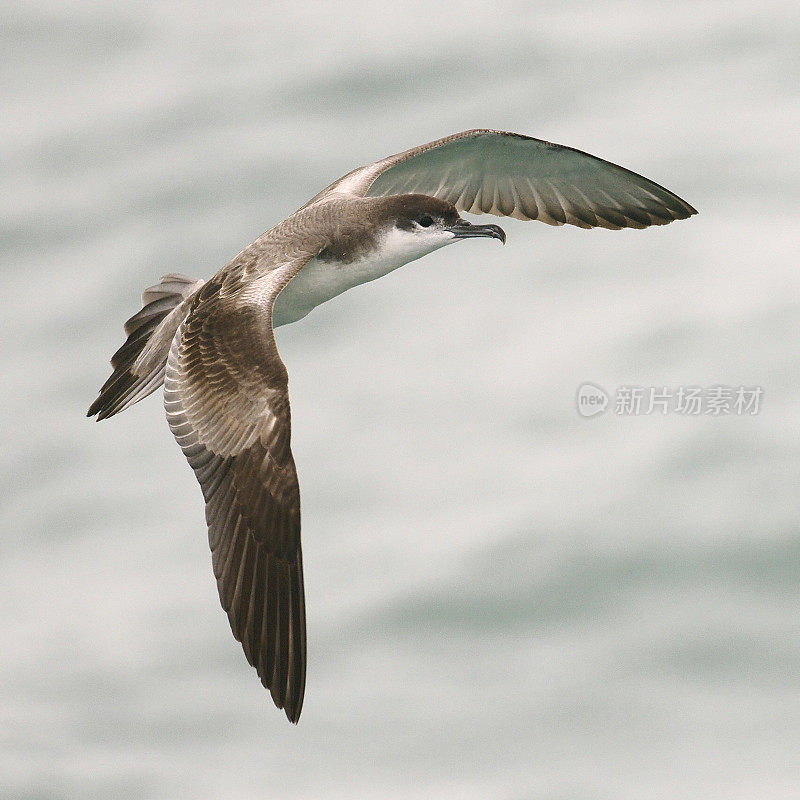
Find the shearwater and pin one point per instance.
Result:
(226, 389)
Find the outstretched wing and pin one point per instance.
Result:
(508, 174)
(227, 403)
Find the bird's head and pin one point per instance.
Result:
(423, 224)
(391, 231)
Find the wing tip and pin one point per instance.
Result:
(292, 711)
(278, 651)
(290, 704)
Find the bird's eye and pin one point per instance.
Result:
(425, 220)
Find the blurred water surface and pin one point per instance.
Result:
(505, 599)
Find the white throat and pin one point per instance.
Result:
(322, 279)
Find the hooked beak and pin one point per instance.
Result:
(466, 230)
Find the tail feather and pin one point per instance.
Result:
(139, 364)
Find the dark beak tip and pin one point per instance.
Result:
(466, 230)
(496, 232)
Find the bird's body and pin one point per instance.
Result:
(226, 388)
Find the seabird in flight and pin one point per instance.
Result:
(211, 343)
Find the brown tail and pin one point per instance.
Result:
(139, 364)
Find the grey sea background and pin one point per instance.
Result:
(505, 599)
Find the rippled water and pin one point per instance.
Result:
(505, 599)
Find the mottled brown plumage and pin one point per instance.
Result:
(227, 403)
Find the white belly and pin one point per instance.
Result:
(320, 280)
